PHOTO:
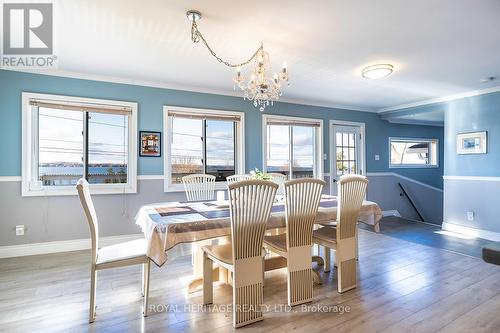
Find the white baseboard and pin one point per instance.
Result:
(393, 212)
(61, 246)
(473, 232)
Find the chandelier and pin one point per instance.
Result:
(260, 88)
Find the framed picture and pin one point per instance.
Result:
(472, 143)
(150, 144)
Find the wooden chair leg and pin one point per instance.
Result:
(143, 279)
(93, 281)
(207, 280)
(316, 277)
(299, 275)
(146, 272)
(346, 264)
(248, 293)
(357, 244)
(263, 270)
(327, 259)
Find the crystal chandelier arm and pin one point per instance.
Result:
(196, 36)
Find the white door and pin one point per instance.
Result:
(347, 148)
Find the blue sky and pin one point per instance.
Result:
(61, 140)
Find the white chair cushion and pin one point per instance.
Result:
(326, 234)
(122, 251)
(276, 241)
(222, 252)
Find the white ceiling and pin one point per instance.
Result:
(438, 48)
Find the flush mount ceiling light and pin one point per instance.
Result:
(487, 79)
(261, 88)
(377, 71)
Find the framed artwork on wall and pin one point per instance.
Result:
(150, 144)
(472, 143)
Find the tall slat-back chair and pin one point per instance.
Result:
(342, 239)
(279, 179)
(237, 178)
(250, 207)
(199, 187)
(118, 255)
(302, 197)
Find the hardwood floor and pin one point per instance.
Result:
(403, 287)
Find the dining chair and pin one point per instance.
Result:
(199, 187)
(118, 255)
(302, 197)
(342, 238)
(237, 178)
(279, 179)
(250, 203)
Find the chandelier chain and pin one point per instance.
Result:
(196, 36)
(260, 88)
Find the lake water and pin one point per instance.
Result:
(73, 170)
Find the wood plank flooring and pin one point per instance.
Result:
(403, 287)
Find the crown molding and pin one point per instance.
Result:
(174, 86)
(415, 122)
(441, 99)
(299, 101)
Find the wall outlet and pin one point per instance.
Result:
(470, 216)
(19, 230)
(377, 157)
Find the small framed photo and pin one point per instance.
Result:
(472, 143)
(150, 144)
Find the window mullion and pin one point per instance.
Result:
(235, 152)
(35, 144)
(85, 133)
(204, 139)
(290, 153)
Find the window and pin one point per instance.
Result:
(293, 146)
(202, 141)
(416, 153)
(67, 138)
(346, 149)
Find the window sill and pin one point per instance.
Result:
(71, 190)
(413, 166)
(219, 186)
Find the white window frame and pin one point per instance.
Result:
(414, 166)
(33, 187)
(167, 128)
(318, 142)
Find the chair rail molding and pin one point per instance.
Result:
(10, 178)
(386, 174)
(473, 178)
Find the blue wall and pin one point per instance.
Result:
(478, 113)
(151, 101)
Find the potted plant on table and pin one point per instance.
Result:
(257, 174)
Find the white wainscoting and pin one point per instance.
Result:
(476, 194)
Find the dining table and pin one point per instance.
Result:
(168, 224)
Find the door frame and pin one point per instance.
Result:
(362, 147)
